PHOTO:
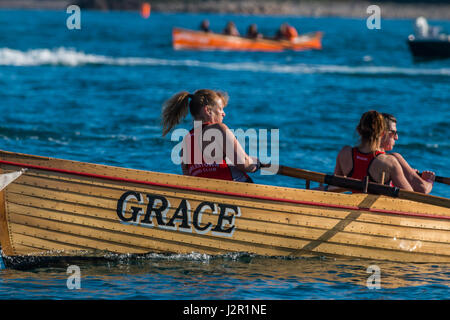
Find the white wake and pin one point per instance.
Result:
(74, 58)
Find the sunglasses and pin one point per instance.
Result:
(395, 132)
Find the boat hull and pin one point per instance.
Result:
(429, 49)
(183, 39)
(68, 208)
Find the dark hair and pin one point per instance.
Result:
(176, 108)
(371, 126)
(388, 118)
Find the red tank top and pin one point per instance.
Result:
(212, 170)
(361, 164)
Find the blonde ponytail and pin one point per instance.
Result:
(370, 128)
(174, 110)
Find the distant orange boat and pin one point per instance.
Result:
(183, 39)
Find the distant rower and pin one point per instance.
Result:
(231, 30)
(204, 26)
(253, 33)
(286, 32)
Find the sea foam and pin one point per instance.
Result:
(73, 58)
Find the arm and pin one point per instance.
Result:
(338, 170)
(397, 175)
(343, 161)
(184, 166)
(184, 169)
(418, 183)
(234, 151)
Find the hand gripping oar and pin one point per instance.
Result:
(437, 178)
(365, 186)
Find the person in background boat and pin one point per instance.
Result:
(204, 26)
(231, 30)
(286, 32)
(420, 183)
(423, 30)
(367, 159)
(421, 27)
(206, 107)
(253, 33)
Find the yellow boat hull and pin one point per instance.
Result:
(62, 207)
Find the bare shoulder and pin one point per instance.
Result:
(346, 151)
(387, 159)
(397, 155)
(220, 126)
(344, 161)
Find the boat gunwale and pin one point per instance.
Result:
(226, 193)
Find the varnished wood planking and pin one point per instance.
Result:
(241, 241)
(380, 254)
(327, 230)
(275, 209)
(265, 218)
(395, 243)
(28, 242)
(59, 237)
(396, 235)
(5, 239)
(270, 205)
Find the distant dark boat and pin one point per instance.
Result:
(429, 47)
(428, 42)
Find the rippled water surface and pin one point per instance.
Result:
(95, 95)
(237, 276)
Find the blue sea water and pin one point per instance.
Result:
(95, 95)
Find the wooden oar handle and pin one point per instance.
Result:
(442, 180)
(359, 185)
(338, 181)
(438, 178)
(302, 174)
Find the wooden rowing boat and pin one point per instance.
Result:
(62, 207)
(183, 39)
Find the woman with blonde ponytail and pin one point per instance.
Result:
(206, 108)
(367, 159)
(175, 109)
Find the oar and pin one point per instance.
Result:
(442, 180)
(365, 186)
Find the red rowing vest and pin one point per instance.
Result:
(361, 164)
(212, 170)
